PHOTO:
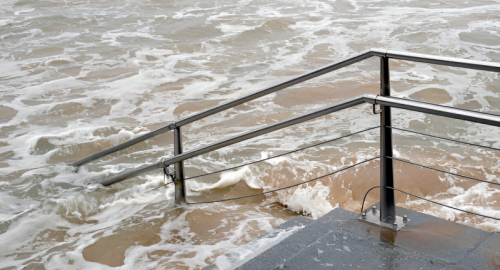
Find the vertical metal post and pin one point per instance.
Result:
(180, 193)
(387, 203)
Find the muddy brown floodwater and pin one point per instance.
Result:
(81, 76)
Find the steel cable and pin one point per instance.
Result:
(443, 171)
(422, 198)
(253, 162)
(294, 185)
(280, 155)
(443, 138)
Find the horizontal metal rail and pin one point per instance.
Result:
(417, 106)
(444, 61)
(447, 61)
(477, 117)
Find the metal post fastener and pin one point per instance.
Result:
(387, 203)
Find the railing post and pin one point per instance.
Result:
(180, 193)
(387, 204)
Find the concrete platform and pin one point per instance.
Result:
(339, 240)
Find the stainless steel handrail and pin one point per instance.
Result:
(444, 61)
(447, 61)
(238, 138)
(450, 112)
(411, 105)
(197, 116)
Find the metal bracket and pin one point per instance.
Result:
(170, 174)
(372, 215)
(374, 111)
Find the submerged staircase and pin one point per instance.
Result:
(340, 240)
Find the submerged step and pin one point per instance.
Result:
(244, 253)
(339, 240)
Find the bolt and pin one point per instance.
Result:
(374, 209)
(395, 226)
(363, 215)
(405, 218)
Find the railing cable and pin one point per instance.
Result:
(422, 198)
(156, 188)
(443, 138)
(443, 171)
(294, 185)
(283, 154)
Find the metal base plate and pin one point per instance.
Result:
(372, 215)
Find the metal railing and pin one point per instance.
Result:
(386, 102)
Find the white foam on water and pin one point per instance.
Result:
(83, 76)
(231, 178)
(310, 200)
(477, 199)
(24, 11)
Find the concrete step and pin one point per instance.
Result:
(339, 240)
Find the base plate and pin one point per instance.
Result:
(372, 215)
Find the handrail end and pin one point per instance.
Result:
(104, 183)
(74, 167)
(113, 180)
(77, 163)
